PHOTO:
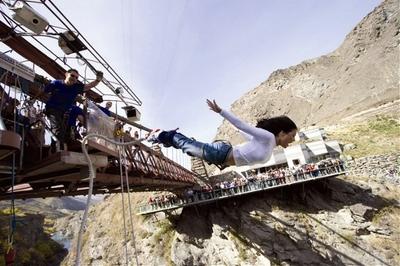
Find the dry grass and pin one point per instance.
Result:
(376, 136)
(388, 216)
(387, 244)
(18, 212)
(164, 238)
(241, 245)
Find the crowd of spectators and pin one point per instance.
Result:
(164, 201)
(323, 167)
(254, 181)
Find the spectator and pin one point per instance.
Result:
(106, 109)
(136, 135)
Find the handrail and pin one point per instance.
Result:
(202, 197)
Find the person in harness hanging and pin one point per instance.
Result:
(62, 101)
(261, 140)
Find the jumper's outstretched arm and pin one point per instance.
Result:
(214, 106)
(239, 124)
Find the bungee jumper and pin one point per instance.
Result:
(261, 140)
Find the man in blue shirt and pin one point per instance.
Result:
(62, 99)
(106, 109)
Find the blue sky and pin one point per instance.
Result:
(174, 54)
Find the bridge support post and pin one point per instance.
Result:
(197, 211)
(303, 193)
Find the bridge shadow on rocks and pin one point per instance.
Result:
(284, 225)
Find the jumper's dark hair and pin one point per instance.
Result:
(72, 70)
(277, 124)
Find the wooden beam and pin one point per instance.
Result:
(107, 149)
(61, 161)
(77, 158)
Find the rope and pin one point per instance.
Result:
(13, 222)
(130, 207)
(123, 204)
(92, 175)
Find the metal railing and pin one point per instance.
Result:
(251, 186)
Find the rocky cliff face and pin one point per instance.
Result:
(340, 221)
(361, 74)
(32, 241)
(335, 223)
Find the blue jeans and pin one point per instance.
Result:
(57, 122)
(215, 153)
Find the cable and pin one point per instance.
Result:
(13, 222)
(92, 175)
(130, 207)
(123, 203)
(172, 59)
(92, 51)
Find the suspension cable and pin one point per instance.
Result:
(92, 51)
(92, 175)
(130, 205)
(123, 203)
(13, 222)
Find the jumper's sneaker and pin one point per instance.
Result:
(167, 142)
(153, 136)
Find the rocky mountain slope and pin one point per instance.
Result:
(344, 221)
(49, 207)
(363, 73)
(348, 220)
(33, 237)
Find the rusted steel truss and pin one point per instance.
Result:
(141, 158)
(66, 174)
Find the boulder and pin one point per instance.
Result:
(380, 230)
(360, 210)
(349, 146)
